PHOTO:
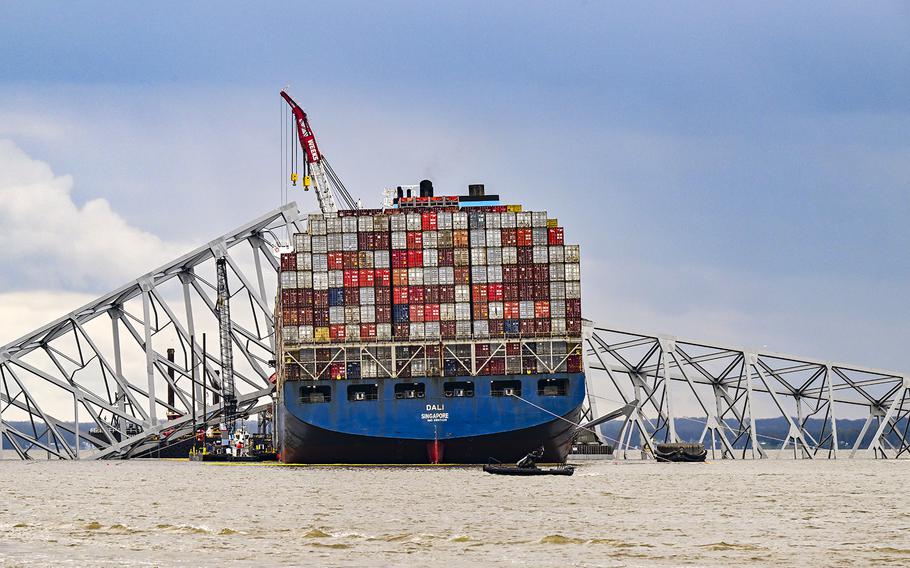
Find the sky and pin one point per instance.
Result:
(737, 173)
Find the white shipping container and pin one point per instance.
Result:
(381, 259)
(494, 237)
(539, 219)
(381, 223)
(558, 308)
(418, 366)
(415, 276)
(352, 332)
(290, 334)
(462, 311)
(557, 272)
(317, 226)
(558, 326)
(494, 255)
(414, 221)
(399, 240)
(319, 244)
(481, 328)
(463, 328)
(305, 333)
(301, 242)
(333, 225)
(446, 312)
(573, 271)
(320, 281)
(369, 369)
(288, 280)
(510, 255)
(557, 254)
(417, 332)
(383, 331)
(336, 314)
(349, 224)
(540, 254)
(494, 273)
(557, 290)
(479, 274)
(333, 241)
(478, 238)
(368, 314)
(446, 275)
(349, 242)
(431, 330)
(496, 310)
(304, 279)
(526, 309)
(430, 276)
(444, 220)
(336, 278)
(539, 236)
(573, 290)
(507, 220)
(430, 257)
(398, 223)
(320, 263)
(367, 297)
(494, 220)
(462, 293)
(364, 224)
(523, 220)
(430, 240)
(460, 220)
(478, 255)
(477, 220)
(573, 254)
(462, 257)
(352, 314)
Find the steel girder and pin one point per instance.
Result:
(81, 378)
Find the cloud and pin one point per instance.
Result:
(22, 312)
(48, 241)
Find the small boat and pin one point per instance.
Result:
(680, 452)
(502, 469)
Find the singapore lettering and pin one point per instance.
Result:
(435, 413)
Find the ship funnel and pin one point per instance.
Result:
(426, 188)
(476, 190)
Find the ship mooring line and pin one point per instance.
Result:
(579, 426)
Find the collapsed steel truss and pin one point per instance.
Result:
(111, 371)
(726, 391)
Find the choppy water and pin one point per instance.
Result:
(161, 513)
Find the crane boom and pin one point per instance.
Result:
(315, 159)
(225, 333)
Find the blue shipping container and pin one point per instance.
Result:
(336, 297)
(401, 313)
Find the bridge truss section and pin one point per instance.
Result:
(727, 391)
(98, 382)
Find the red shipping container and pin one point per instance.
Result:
(497, 329)
(415, 295)
(526, 291)
(509, 238)
(383, 241)
(462, 275)
(428, 220)
(524, 237)
(541, 309)
(383, 295)
(417, 313)
(415, 258)
(555, 236)
(573, 363)
(399, 277)
(305, 298)
(525, 255)
(446, 257)
(336, 331)
(541, 290)
(383, 277)
(511, 310)
(337, 370)
(350, 260)
(431, 294)
(366, 241)
(447, 329)
(289, 261)
(541, 272)
(400, 295)
(482, 350)
(366, 277)
(513, 349)
(479, 293)
(415, 240)
(351, 279)
(510, 292)
(401, 330)
(573, 326)
(383, 314)
(525, 274)
(481, 310)
(542, 326)
(399, 259)
(526, 327)
(320, 317)
(287, 298)
(368, 331)
(431, 312)
(335, 260)
(320, 298)
(446, 294)
(573, 308)
(494, 292)
(509, 274)
(289, 316)
(351, 296)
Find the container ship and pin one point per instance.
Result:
(436, 330)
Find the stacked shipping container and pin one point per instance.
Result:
(431, 275)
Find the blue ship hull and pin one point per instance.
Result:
(388, 426)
